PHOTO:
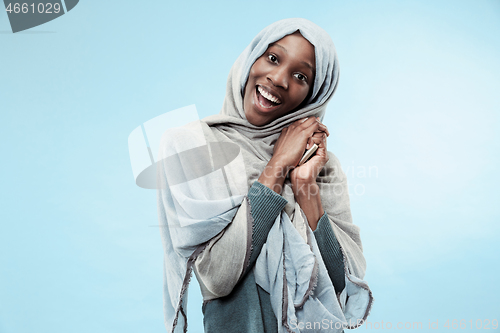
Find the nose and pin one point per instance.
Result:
(278, 77)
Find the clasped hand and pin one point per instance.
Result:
(290, 147)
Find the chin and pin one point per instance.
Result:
(257, 121)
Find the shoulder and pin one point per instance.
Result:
(191, 130)
(188, 136)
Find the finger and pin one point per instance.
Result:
(301, 122)
(306, 122)
(324, 129)
(310, 142)
(315, 127)
(318, 134)
(319, 138)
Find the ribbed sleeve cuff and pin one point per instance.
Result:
(330, 251)
(265, 205)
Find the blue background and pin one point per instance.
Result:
(417, 102)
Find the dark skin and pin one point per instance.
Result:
(278, 83)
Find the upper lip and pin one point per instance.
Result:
(272, 92)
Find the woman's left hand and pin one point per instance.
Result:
(308, 172)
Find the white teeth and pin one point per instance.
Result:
(268, 96)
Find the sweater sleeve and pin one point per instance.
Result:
(330, 252)
(229, 256)
(265, 205)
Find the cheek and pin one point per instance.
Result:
(258, 68)
(250, 85)
(248, 90)
(301, 94)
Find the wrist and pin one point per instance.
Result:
(280, 165)
(274, 175)
(308, 197)
(302, 175)
(305, 190)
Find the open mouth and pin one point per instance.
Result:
(266, 99)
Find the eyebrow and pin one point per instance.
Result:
(305, 63)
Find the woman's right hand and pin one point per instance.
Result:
(291, 144)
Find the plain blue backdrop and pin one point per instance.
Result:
(417, 104)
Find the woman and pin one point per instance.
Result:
(272, 243)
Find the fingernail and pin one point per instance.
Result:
(307, 147)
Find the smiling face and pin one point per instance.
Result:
(279, 80)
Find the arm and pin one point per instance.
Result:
(335, 231)
(266, 205)
(331, 253)
(307, 195)
(239, 244)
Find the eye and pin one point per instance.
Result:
(272, 57)
(301, 77)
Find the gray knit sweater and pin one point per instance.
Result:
(248, 307)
